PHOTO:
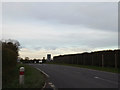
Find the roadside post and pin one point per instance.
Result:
(21, 76)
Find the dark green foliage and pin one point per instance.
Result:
(104, 58)
(43, 61)
(9, 60)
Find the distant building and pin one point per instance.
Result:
(48, 57)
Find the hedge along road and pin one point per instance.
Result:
(75, 77)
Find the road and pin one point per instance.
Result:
(74, 77)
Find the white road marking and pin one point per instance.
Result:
(96, 77)
(43, 72)
(52, 85)
(99, 71)
(44, 85)
(106, 80)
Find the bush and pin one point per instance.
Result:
(9, 61)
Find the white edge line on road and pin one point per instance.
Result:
(43, 72)
(51, 84)
(105, 80)
(44, 85)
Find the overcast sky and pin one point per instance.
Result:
(61, 28)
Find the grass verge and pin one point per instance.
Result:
(32, 78)
(107, 69)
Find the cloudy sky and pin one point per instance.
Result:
(61, 28)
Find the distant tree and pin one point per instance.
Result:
(26, 58)
(34, 59)
(43, 60)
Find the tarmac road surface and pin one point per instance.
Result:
(74, 77)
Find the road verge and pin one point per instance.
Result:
(33, 78)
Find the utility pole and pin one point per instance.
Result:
(102, 60)
(115, 60)
(92, 59)
(83, 59)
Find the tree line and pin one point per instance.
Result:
(106, 58)
(27, 60)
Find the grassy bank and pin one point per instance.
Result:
(107, 69)
(33, 78)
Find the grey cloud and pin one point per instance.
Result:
(45, 47)
(76, 39)
(78, 25)
(92, 15)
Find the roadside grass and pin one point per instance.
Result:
(107, 69)
(33, 78)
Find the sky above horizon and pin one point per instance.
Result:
(60, 28)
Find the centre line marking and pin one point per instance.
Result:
(106, 80)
